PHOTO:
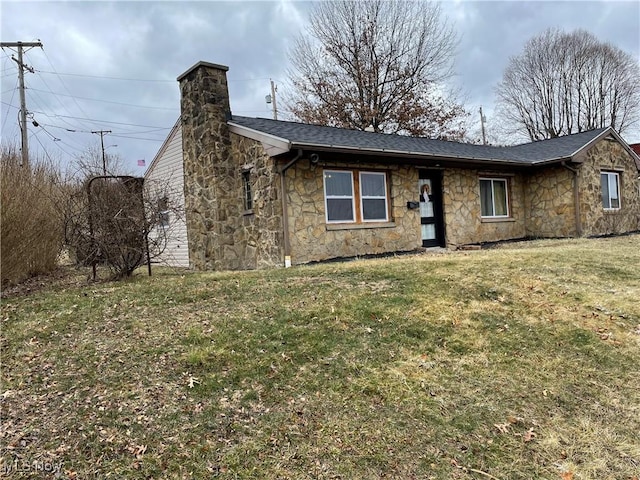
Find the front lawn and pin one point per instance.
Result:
(519, 362)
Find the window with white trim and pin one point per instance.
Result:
(610, 184)
(373, 197)
(338, 196)
(494, 197)
(353, 196)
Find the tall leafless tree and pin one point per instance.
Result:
(565, 83)
(377, 63)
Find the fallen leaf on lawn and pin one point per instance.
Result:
(529, 435)
(567, 475)
(502, 427)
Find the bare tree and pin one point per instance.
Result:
(565, 83)
(377, 64)
(89, 163)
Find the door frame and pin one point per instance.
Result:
(438, 212)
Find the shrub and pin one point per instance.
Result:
(31, 222)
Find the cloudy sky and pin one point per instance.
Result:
(112, 65)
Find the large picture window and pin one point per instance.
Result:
(494, 197)
(610, 183)
(355, 196)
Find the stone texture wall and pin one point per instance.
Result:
(221, 234)
(462, 214)
(258, 234)
(609, 156)
(550, 203)
(311, 239)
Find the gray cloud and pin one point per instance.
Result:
(159, 40)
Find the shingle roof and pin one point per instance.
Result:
(301, 135)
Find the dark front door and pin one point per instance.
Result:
(431, 218)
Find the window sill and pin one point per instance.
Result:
(611, 211)
(247, 212)
(359, 226)
(497, 219)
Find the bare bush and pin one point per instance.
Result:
(31, 221)
(116, 222)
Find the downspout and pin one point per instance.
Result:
(285, 215)
(576, 196)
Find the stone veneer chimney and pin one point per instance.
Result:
(206, 147)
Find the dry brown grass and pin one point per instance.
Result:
(31, 221)
(513, 363)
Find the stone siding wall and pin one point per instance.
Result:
(258, 234)
(550, 203)
(221, 234)
(205, 140)
(462, 215)
(609, 156)
(312, 239)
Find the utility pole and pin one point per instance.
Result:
(23, 102)
(482, 120)
(104, 161)
(274, 89)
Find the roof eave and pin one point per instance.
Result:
(272, 144)
(407, 154)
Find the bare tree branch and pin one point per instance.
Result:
(377, 63)
(565, 83)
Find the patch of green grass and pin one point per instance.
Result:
(514, 363)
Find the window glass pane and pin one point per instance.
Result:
(340, 210)
(372, 185)
(613, 185)
(604, 183)
(338, 183)
(428, 232)
(486, 202)
(374, 209)
(500, 197)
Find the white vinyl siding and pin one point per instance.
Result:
(167, 170)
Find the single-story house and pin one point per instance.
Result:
(261, 193)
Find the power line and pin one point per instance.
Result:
(150, 80)
(108, 78)
(90, 119)
(62, 82)
(10, 102)
(105, 101)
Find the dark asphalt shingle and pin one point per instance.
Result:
(301, 134)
